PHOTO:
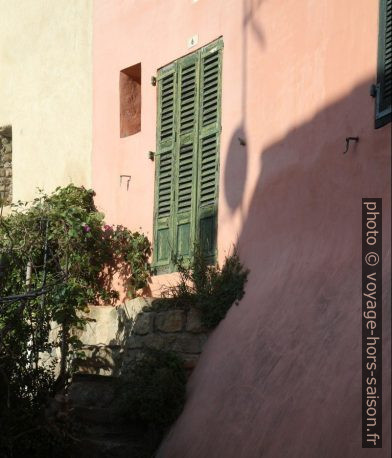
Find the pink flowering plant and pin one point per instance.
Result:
(57, 255)
(84, 247)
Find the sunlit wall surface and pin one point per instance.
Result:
(281, 376)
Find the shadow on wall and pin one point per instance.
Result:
(281, 375)
(290, 354)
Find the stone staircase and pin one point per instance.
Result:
(112, 341)
(102, 431)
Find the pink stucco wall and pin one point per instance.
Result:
(281, 375)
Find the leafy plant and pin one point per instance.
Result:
(209, 288)
(153, 396)
(57, 256)
(155, 388)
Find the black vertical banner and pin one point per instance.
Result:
(372, 323)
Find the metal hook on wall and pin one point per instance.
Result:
(128, 179)
(348, 140)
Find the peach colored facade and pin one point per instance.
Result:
(281, 375)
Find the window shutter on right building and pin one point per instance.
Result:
(384, 70)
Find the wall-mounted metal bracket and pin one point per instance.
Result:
(151, 155)
(242, 141)
(153, 81)
(348, 140)
(373, 90)
(128, 179)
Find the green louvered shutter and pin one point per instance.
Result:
(165, 166)
(187, 159)
(208, 151)
(384, 71)
(186, 153)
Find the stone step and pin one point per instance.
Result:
(83, 377)
(93, 390)
(106, 448)
(97, 415)
(126, 441)
(97, 410)
(113, 430)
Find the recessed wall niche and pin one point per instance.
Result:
(130, 100)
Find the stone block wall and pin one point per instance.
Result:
(115, 336)
(6, 165)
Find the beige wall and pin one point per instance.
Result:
(45, 91)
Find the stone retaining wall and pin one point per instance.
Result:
(6, 164)
(116, 335)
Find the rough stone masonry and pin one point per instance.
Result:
(6, 165)
(115, 336)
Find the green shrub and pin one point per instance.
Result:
(57, 255)
(209, 288)
(155, 389)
